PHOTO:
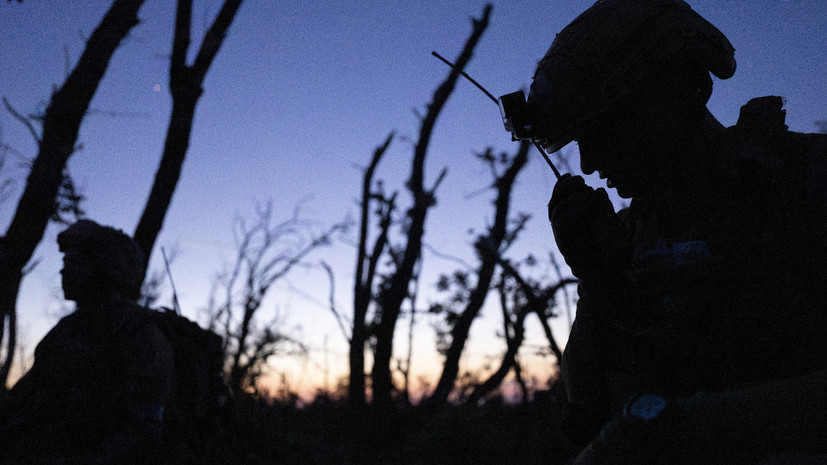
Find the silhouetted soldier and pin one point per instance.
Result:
(701, 329)
(103, 375)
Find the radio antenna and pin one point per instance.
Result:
(548, 160)
(497, 102)
(453, 66)
(171, 283)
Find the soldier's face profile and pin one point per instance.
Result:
(630, 147)
(613, 147)
(79, 274)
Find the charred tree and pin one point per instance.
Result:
(366, 266)
(514, 333)
(489, 248)
(391, 299)
(526, 297)
(185, 85)
(396, 288)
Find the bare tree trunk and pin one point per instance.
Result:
(185, 86)
(366, 262)
(409, 357)
(392, 298)
(61, 124)
(536, 302)
(513, 341)
(11, 346)
(488, 252)
(552, 343)
(238, 370)
(537, 299)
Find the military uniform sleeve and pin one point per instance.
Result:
(601, 305)
(585, 359)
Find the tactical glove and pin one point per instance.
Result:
(589, 234)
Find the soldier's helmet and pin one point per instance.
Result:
(613, 50)
(116, 255)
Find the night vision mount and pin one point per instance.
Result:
(514, 111)
(516, 118)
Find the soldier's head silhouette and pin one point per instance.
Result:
(629, 81)
(99, 261)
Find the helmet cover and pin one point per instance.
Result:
(611, 50)
(116, 255)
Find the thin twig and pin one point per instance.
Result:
(332, 299)
(26, 121)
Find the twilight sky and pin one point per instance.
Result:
(296, 101)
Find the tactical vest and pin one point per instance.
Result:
(729, 288)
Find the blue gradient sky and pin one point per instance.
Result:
(296, 101)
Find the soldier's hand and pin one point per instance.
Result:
(588, 232)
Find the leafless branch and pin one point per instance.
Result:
(366, 263)
(397, 288)
(332, 299)
(24, 120)
(185, 85)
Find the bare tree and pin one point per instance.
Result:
(367, 261)
(56, 143)
(185, 83)
(520, 297)
(395, 289)
(489, 248)
(266, 251)
(393, 286)
(404, 365)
